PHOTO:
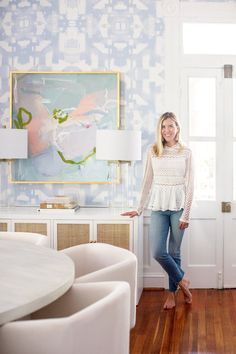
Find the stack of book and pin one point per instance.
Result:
(59, 204)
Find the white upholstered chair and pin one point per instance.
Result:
(35, 238)
(96, 262)
(89, 319)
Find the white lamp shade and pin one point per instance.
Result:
(13, 144)
(121, 145)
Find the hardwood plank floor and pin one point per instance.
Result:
(207, 326)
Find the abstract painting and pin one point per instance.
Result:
(62, 112)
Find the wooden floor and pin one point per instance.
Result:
(206, 326)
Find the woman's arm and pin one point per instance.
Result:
(189, 187)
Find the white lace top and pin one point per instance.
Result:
(168, 181)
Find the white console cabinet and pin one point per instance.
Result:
(87, 225)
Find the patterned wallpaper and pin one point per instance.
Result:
(85, 35)
(80, 35)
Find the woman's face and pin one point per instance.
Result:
(169, 130)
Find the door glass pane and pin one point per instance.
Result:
(234, 106)
(204, 156)
(202, 106)
(234, 177)
(209, 38)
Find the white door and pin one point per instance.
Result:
(229, 187)
(208, 102)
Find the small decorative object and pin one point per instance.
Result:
(59, 204)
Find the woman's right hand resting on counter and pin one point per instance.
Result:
(131, 214)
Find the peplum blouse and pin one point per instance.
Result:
(168, 181)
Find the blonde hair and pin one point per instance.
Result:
(160, 143)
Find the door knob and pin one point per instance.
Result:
(226, 207)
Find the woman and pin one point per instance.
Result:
(168, 181)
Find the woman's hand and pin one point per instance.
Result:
(183, 225)
(131, 214)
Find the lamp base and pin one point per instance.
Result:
(121, 194)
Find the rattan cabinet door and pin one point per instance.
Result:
(35, 226)
(40, 228)
(71, 234)
(3, 226)
(114, 234)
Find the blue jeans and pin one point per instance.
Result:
(164, 223)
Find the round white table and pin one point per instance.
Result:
(31, 277)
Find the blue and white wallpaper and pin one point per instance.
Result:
(85, 35)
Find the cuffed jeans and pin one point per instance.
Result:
(164, 223)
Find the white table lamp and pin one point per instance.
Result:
(123, 147)
(118, 145)
(13, 145)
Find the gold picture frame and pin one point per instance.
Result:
(62, 111)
